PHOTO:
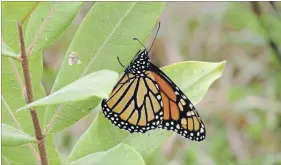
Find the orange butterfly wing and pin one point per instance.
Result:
(179, 113)
(134, 103)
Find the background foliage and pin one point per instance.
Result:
(241, 110)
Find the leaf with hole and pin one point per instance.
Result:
(106, 32)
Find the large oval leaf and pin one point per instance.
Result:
(48, 21)
(121, 154)
(83, 88)
(194, 78)
(106, 32)
(14, 137)
(11, 13)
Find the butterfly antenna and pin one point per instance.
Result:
(140, 43)
(155, 37)
(120, 62)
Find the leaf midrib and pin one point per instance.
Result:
(108, 37)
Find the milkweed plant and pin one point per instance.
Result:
(31, 118)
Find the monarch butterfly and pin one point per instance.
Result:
(145, 98)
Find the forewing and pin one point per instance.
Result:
(134, 103)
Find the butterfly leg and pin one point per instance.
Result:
(125, 68)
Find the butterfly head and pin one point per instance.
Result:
(139, 64)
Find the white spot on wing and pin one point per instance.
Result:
(156, 86)
(158, 97)
(182, 102)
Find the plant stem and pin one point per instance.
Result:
(29, 98)
(274, 47)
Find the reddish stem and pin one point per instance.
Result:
(29, 98)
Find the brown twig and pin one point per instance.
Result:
(29, 99)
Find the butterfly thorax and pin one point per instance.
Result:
(139, 64)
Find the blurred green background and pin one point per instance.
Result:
(241, 110)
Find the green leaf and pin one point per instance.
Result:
(121, 154)
(14, 137)
(20, 154)
(11, 12)
(6, 161)
(101, 139)
(13, 98)
(194, 78)
(23, 154)
(13, 81)
(106, 32)
(7, 51)
(52, 152)
(48, 21)
(81, 89)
